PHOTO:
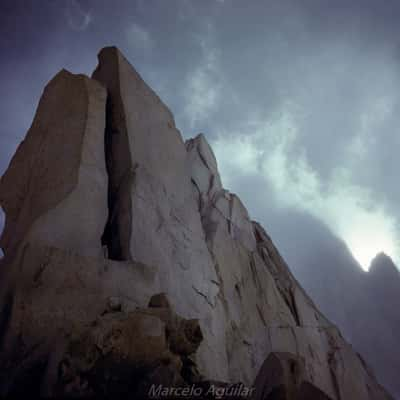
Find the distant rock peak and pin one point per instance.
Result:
(383, 265)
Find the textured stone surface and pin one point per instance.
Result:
(53, 190)
(190, 289)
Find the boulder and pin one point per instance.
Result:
(124, 354)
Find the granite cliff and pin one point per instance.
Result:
(128, 264)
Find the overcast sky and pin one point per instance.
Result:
(300, 99)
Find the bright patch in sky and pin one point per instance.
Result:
(348, 209)
(366, 241)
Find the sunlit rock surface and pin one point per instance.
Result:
(188, 289)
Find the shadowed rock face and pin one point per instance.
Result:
(383, 291)
(384, 274)
(384, 287)
(191, 291)
(53, 190)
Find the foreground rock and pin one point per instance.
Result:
(191, 291)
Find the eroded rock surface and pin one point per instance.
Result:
(190, 291)
(53, 190)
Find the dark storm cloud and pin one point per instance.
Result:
(302, 94)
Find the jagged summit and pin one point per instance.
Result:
(128, 264)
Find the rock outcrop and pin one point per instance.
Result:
(189, 290)
(53, 190)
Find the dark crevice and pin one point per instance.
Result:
(117, 232)
(260, 314)
(293, 308)
(204, 297)
(198, 191)
(237, 288)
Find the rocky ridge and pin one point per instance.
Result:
(128, 264)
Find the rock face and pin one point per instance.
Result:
(189, 291)
(53, 190)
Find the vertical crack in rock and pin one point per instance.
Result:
(204, 296)
(117, 232)
(260, 314)
(293, 308)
